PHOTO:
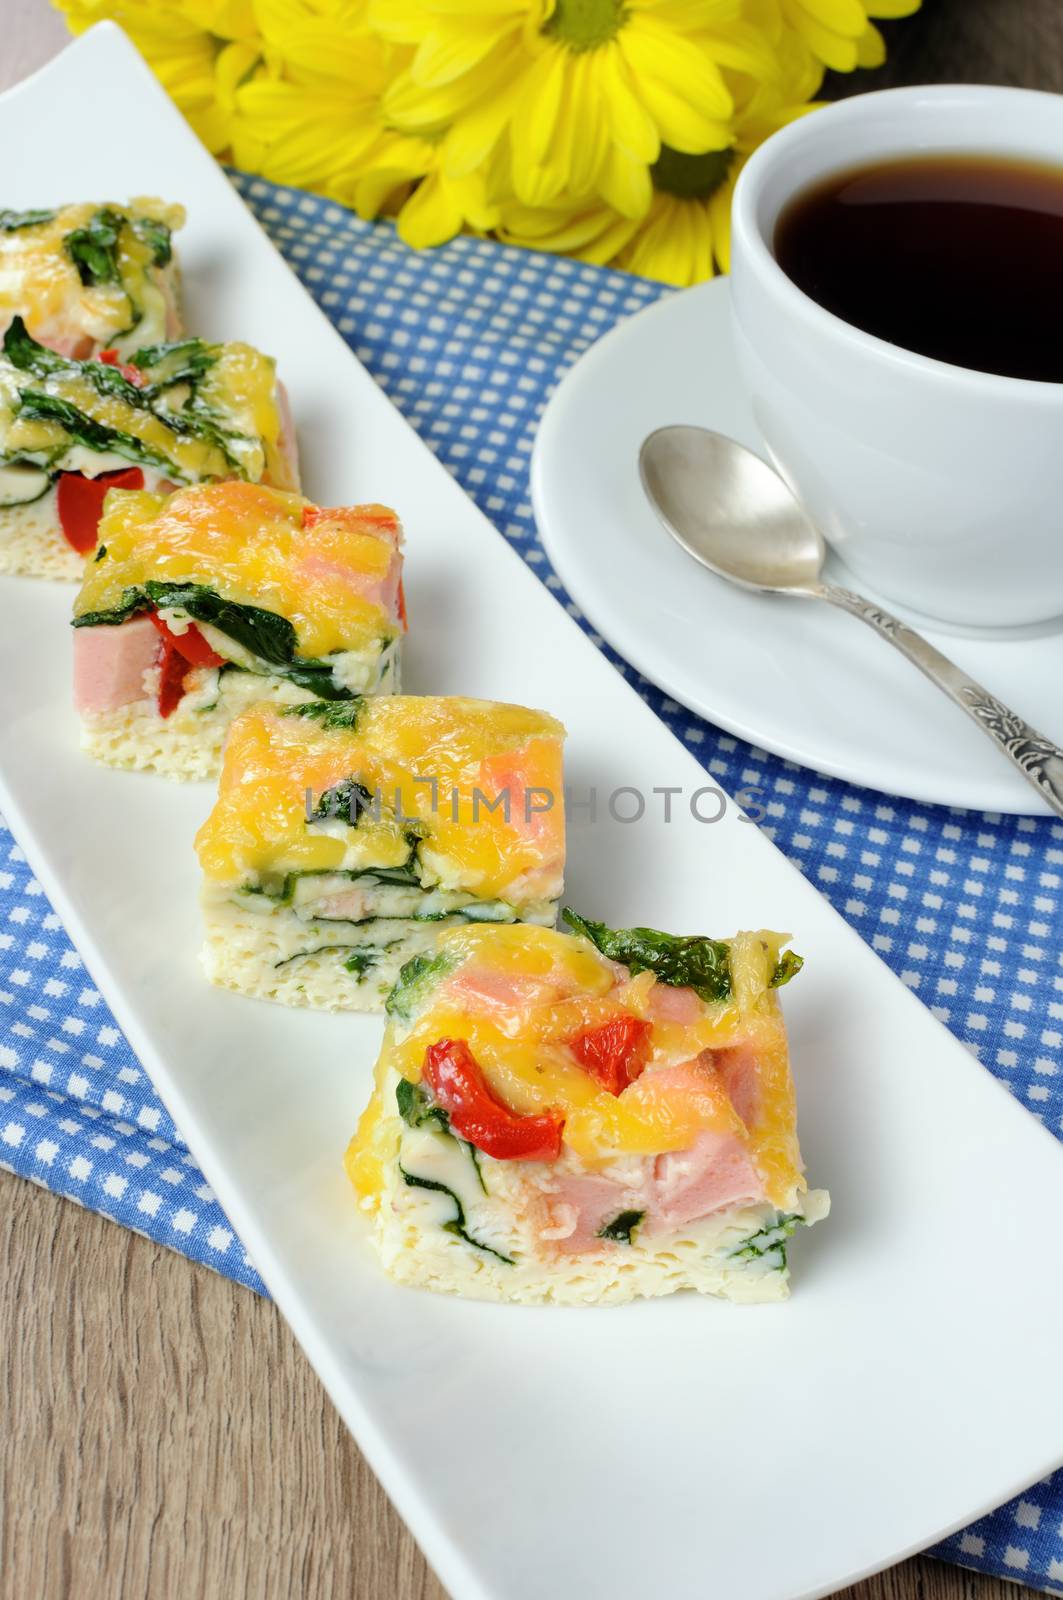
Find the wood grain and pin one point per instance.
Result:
(162, 1433)
(164, 1436)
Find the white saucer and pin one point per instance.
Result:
(802, 680)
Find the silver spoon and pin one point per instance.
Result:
(734, 514)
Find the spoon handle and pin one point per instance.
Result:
(1037, 758)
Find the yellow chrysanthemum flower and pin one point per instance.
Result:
(314, 118)
(685, 236)
(840, 32)
(199, 50)
(609, 129)
(583, 92)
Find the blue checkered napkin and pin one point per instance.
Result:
(77, 1112)
(967, 908)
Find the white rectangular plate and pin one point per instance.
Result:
(681, 1447)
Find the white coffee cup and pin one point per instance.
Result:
(940, 487)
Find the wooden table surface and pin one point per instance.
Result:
(163, 1434)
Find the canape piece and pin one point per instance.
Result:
(346, 836)
(92, 277)
(203, 602)
(586, 1118)
(172, 414)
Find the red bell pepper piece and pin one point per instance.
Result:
(402, 607)
(455, 1079)
(80, 502)
(615, 1052)
(191, 644)
(130, 373)
(180, 653)
(173, 669)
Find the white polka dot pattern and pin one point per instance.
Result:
(468, 341)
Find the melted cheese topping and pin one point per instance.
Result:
(249, 545)
(40, 282)
(240, 389)
(400, 745)
(371, 1149)
(518, 994)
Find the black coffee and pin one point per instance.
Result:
(957, 257)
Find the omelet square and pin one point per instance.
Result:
(586, 1118)
(202, 603)
(171, 414)
(345, 837)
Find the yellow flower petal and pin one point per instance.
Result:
(472, 138)
(743, 49)
(471, 198)
(702, 244)
(581, 139)
(870, 48)
(337, 45)
(228, 19)
(306, 147)
(483, 100)
(664, 247)
(592, 234)
(403, 20)
(847, 17)
(625, 184)
(536, 112)
(633, 129)
(248, 149)
(690, 106)
(720, 222)
(442, 58)
(834, 49)
(392, 166)
(233, 66)
(690, 15)
(431, 215)
(677, 63)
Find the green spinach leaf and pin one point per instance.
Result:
(416, 1108)
(86, 431)
(622, 1228)
(344, 802)
(360, 958)
(685, 960)
(133, 601)
(769, 1244)
(341, 718)
(23, 352)
(316, 676)
(265, 634)
(457, 1225)
(184, 361)
(12, 221)
(94, 248)
(788, 966)
(156, 235)
(414, 983)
